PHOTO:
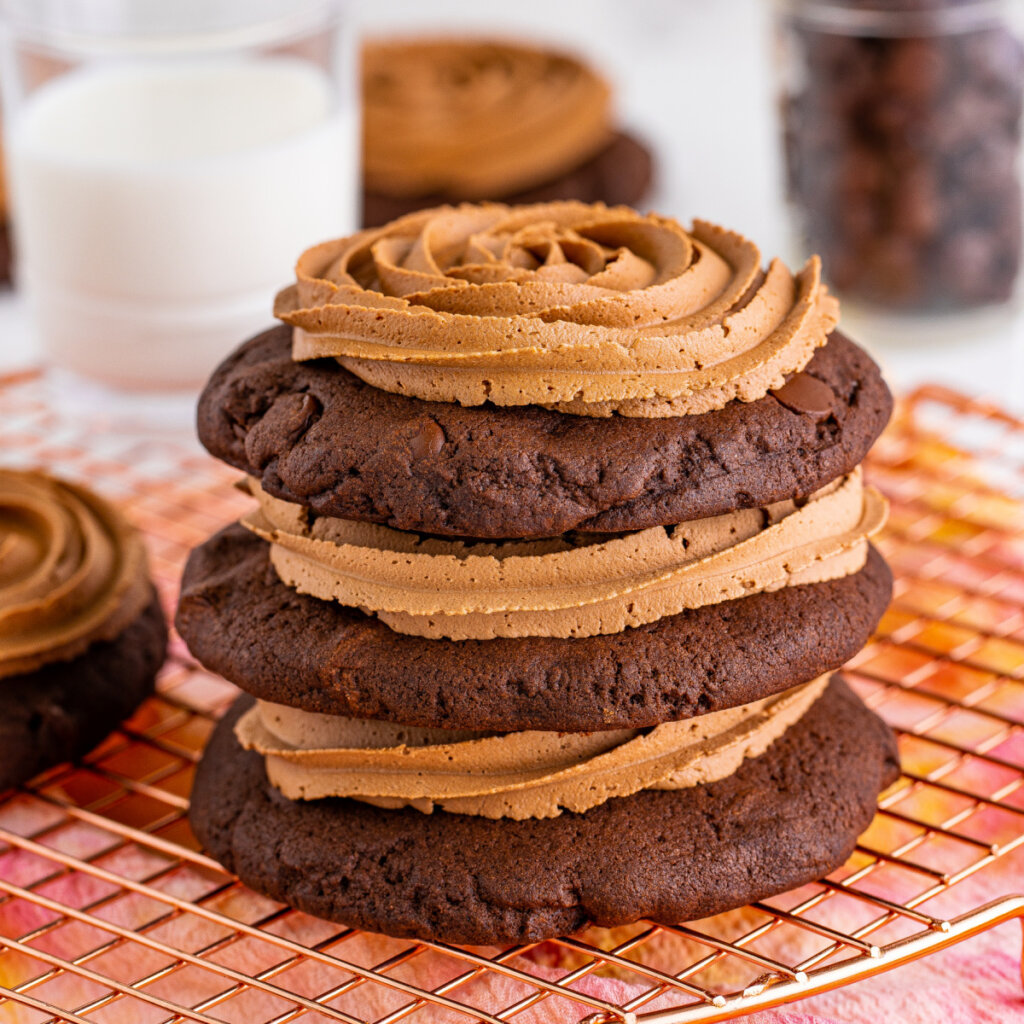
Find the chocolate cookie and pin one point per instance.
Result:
(317, 435)
(783, 819)
(620, 174)
(62, 710)
(240, 620)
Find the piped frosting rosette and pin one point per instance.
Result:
(72, 571)
(508, 775)
(588, 309)
(476, 118)
(568, 587)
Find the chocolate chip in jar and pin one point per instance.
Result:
(902, 132)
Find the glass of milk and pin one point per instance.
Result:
(169, 160)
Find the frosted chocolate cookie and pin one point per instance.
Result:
(621, 172)
(449, 120)
(522, 372)
(784, 816)
(82, 634)
(241, 620)
(315, 434)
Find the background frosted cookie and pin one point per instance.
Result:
(82, 634)
(784, 818)
(461, 119)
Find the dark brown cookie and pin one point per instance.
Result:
(315, 434)
(620, 174)
(241, 621)
(783, 819)
(62, 710)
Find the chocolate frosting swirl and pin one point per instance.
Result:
(589, 309)
(508, 775)
(72, 571)
(474, 119)
(568, 586)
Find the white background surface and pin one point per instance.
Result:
(695, 78)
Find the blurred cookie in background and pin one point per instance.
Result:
(456, 120)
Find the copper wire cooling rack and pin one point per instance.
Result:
(110, 913)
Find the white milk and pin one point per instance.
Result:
(159, 207)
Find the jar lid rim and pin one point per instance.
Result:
(840, 17)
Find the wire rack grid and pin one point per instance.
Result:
(110, 913)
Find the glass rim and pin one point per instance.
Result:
(70, 30)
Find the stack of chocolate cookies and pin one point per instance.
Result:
(558, 534)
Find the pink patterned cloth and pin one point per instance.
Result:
(977, 982)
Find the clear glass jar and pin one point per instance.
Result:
(902, 133)
(168, 162)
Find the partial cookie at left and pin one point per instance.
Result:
(82, 634)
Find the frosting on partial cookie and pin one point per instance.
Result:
(508, 775)
(566, 587)
(589, 309)
(476, 119)
(72, 571)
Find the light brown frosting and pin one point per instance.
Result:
(72, 571)
(510, 775)
(476, 119)
(437, 588)
(589, 309)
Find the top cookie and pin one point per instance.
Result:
(315, 434)
(488, 371)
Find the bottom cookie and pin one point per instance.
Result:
(62, 710)
(783, 819)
